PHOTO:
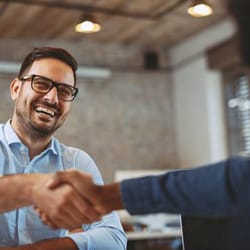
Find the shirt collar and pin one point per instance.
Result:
(12, 138)
(10, 134)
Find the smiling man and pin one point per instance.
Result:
(43, 92)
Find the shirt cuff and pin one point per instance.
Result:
(80, 240)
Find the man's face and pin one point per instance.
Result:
(41, 114)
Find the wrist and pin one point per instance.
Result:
(110, 197)
(36, 181)
(30, 182)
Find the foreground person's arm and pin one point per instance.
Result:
(218, 189)
(215, 190)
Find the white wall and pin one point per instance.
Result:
(198, 99)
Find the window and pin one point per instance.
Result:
(237, 95)
(225, 58)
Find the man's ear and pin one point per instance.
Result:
(15, 87)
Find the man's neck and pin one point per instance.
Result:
(36, 145)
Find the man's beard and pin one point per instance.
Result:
(31, 128)
(37, 132)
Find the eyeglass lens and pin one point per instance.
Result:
(44, 85)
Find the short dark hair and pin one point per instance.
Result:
(240, 10)
(48, 52)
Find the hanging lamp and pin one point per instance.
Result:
(200, 8)
(88, 24)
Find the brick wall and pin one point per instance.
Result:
(125, 122)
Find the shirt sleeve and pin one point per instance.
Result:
(218, 189)
(106, 234)
(103, 235)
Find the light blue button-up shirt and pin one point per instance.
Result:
(23, 226)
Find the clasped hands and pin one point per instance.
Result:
(68, 200)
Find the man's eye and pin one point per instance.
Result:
(65, 91)
(42, 84)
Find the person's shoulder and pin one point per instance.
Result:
(239, 163)
(241, 157)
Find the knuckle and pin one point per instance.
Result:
(58, 174)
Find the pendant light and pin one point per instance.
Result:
(88, 24)
(200, 8)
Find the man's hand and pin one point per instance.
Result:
(62, 206)
(104, 199)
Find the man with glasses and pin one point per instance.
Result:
(29, 155)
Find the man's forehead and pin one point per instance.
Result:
(52, 68)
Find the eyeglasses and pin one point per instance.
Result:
(43, 85)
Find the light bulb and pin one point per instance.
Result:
(200, 10)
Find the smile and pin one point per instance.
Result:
(46, 111)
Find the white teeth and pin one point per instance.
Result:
(45, 110)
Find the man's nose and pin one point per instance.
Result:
(52, 95)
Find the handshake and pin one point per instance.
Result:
(69, 199)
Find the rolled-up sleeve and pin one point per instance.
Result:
(106, 234)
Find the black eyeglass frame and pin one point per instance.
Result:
(53, 84)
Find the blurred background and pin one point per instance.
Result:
(159, 88)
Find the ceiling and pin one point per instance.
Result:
(146, 23)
